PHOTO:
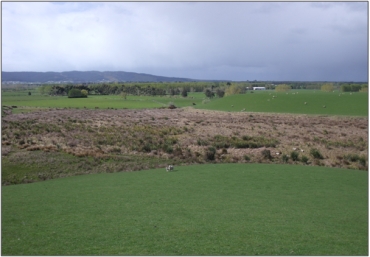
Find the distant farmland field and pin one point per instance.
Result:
(336, 103)
(213, 209)
(317, 102)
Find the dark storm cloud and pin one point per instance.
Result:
(203, 40)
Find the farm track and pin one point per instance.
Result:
(126, 140)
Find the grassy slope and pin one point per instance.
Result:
(345, 104)
(231, 209)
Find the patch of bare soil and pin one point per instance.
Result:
(188, 135)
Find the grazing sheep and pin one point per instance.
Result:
(169, 167)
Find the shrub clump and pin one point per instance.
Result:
(356, 158)
(210, 154)
(328, 87)
(282, 88)
(315, 153)
(294, 156)
(285, 158)
(266, 154)
(76, 93)
(304, 159)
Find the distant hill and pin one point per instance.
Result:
(83, 77)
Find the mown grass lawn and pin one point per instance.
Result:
(214, 209)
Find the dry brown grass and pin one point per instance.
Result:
(175, 134)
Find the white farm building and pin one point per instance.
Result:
(259, 88)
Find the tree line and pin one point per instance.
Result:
(211, 89)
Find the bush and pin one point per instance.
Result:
(362, 161)
(327, 87)
(76, 93)
(209, 93)
(171, 105)
(202, 142)
(266, 154)
(84, 92)
(210, 153)
(356, 158)
(168, 149)
(233, 90)
(247, 158)
(294, 156)
(184, 93)
(282, 88)
(304, 159)
(316, 154)
(220, 93)
(146, 148)
(285, 158)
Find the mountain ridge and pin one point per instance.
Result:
(84, 77)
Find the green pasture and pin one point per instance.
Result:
(213, 209)
(35, 100)
(336, 103)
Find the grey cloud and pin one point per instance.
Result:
(219, 40)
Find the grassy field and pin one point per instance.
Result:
(336, 103)
(210, 209)
(223, 209)
(36, 100)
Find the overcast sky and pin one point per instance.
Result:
(307, 41)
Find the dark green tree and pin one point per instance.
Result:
(209, 93)
(184, 93)
(76, 93)
(220, 93)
